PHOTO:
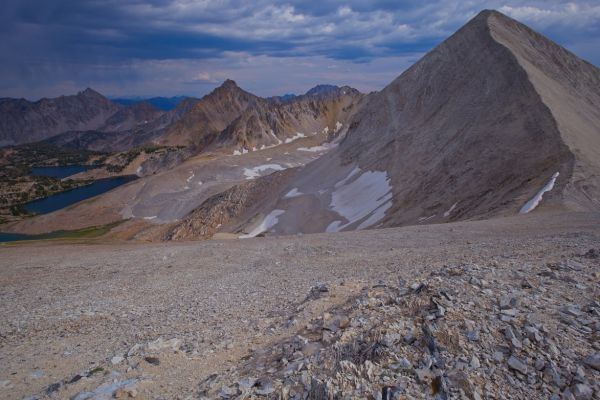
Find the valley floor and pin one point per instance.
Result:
(193, 319)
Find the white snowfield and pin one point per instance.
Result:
(367, 196)
(270, 221)
(338, 126)
(292, 193)
(253, 173)
(297, 136)
(188, 180)
(535, 201)
(447, 213)
(318, 149)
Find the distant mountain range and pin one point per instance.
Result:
(89, 120)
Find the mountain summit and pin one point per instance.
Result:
(496, 120)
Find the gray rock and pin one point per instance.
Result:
(552, 376)
(511, 312)
(540, 364)
(391, 393)
(517, 365)
(265, 387)
(424, 375)
(593, 361)
(509, 333)
(473, 335)
(404, 363)
(498, 356)
(246, 383)
(228, 391)
(507, 302)
(116, 360)
(572, 311)
(582, 391)
(533, 334)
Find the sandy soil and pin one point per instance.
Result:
(67, 309)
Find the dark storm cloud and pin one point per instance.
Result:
(119, 46)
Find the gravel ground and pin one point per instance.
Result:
(102, 320)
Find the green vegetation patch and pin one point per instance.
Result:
(84, 233)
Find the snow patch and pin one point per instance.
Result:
(292, 193)
(447, 213)
(297, 136)
(252, 173)
(334, 226)
(422, 219)
(150, 218)
(368, 196)
(338, 126)
(244, 150)
(270, 221)
(316, 149)
(535, 201)
(139, 170)
(237, 153)
(326, 130)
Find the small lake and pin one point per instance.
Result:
(65, 199)
(60, 172)
(11, 237)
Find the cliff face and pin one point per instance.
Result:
(233, 118)
(268, 123)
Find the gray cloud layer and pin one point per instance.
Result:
(166, 47)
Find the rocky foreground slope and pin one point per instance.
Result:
(503, 309)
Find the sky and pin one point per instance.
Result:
(188, 47)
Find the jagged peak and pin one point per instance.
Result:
(228, 87)
(229, 83)
(321, 89)
(483, 16)
(90, 93)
